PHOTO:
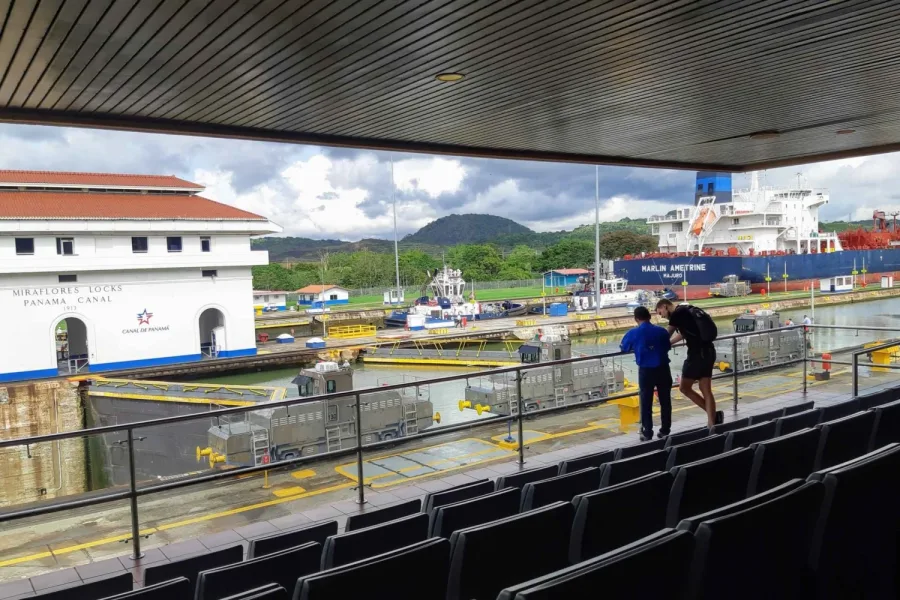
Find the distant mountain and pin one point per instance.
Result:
(465, 229)
(305, 249)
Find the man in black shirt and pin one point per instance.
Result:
(701, 356)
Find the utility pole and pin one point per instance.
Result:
(396, 248)
(597, 240)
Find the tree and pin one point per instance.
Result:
(567, 254)
(617, 244)
(273, 277)
(522, 258)
(415, 266)
(478, 262)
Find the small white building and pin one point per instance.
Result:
(322, 295)
(101, 272)
(269, 300)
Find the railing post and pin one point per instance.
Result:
(805, 357)
(854, 373)
(734, 374)
(360, 485)
(521, 416)
(136, 553)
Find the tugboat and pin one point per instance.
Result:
(765, 349)
(314, 426)
(448, 303)
(544, 387)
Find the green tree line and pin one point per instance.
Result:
(478, 262)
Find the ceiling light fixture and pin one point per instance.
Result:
(845, 131)
(449, 77)
(764, 135)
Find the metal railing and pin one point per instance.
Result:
(136, 491)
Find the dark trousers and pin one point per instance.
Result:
(660, 379)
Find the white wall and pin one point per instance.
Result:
(109, 302)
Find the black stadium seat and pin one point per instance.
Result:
(691, 523)
(655, 565)
(766, 416)
(742, 438)
(844, 439)
(382, 515)
(783, 458)
(638, 449)
(730, 426)
(468, 513)
(266, 592)
(282, 568)
(436, 499)
(794, 423)
(855, 546)
(839, 410)
(416, 572)
(694, 451)
(174, 589)
(458, 492)
(292, 538)
(639, 507)
(93, 590)
(589, 460)
(189, 568)
(759, 552)
(351, 546)
(620, 471)
(707, 484)
(873, 399)
(686, 436)
(793, 409)
(886, 429)
(518, 480)
(562, 487)
(487, 558)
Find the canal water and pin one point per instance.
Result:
(446, 397)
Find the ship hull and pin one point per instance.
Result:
(701, 271)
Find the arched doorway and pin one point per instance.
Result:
(71, 346)
(212, 332)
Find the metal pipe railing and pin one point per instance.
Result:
(135, 491)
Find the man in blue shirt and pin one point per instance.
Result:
(650, 344)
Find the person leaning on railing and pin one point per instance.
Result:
(650, 344)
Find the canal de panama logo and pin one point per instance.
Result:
(144, 317)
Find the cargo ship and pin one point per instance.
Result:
(766, 236)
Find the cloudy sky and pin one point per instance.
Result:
(346, 194)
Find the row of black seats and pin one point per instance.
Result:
(280, 559)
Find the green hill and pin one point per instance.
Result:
(465, 229)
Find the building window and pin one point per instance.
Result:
(173, 244)
(654, 229)
(204, 244)
(68, 278)
(677, 227)
(735, 221)
(24, 245)
(699, 187)
(710, 187)
(209, 273)
(139, 244)
(333, 297)
(65, 246)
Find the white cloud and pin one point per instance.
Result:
(434, 176)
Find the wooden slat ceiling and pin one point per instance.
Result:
(678, 83)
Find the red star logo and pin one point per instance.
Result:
(144, 317)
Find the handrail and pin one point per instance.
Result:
(136, 491)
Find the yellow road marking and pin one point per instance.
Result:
(304, 474)
(290, 491)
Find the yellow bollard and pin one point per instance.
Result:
(464, 404)
(629, 411)
(265, 480)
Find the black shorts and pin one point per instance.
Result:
(699, 363)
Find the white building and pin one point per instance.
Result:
(269, 300)
(326, 294)
(102, 272)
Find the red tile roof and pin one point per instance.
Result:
(317, 289)
(77, 205)
(95, 179)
